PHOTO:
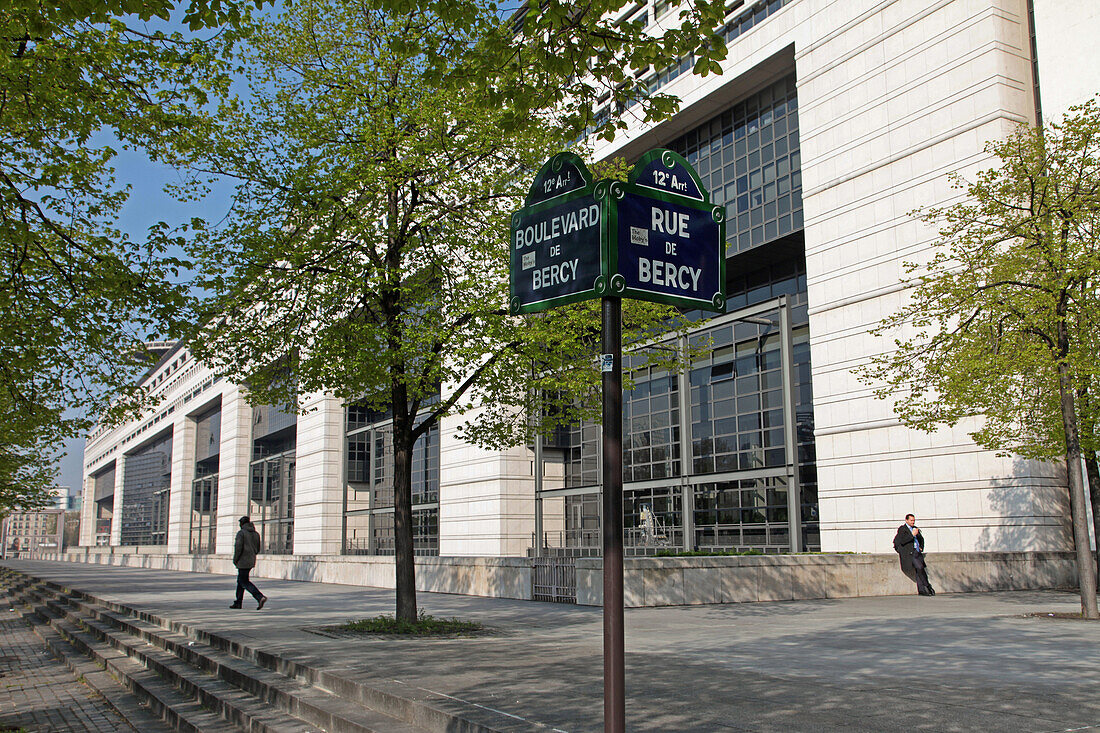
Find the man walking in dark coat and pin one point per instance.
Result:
(245, 549)
(910, 545)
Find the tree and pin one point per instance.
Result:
(81, 77)
(581, 56)
(367, 252)
(1003, 320)
(77, 78)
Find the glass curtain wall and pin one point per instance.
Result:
(104, 482)
(368, 528)
(271, 496)
(145, 486)
(705, 453)
(204, 487)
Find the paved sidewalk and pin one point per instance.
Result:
(960, 662)
(38, 693)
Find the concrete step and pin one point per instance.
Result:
(140, 716)
(238, 690)
(183, 696)
(301, 700)
(329, 699)
(179, 710)
(232, 704)
(127, 705)
(162, 699)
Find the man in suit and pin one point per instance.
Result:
(910, 544)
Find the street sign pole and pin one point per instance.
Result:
(614, 683)
(656, 237)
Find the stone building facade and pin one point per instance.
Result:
(831, 122)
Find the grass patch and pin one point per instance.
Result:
(1076, 615)
(425, 625)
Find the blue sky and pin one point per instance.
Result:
(147, 205)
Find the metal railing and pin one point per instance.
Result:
(637, 541)
(422, 547)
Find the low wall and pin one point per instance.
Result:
(494, 577)
(648, 581)
(678, 581)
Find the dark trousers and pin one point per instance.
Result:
(244, 584)
(921, 569)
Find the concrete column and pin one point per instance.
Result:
(179, 497)
(116, 514)
(235, 453)
(319, 477)
(87, 513)
(486, 498)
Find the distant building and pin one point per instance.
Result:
(24, 532)
(59, 497)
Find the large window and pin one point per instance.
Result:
(271, 495)
(104, 497)
(147, 478)
(204, 487)
(749, 159)
(651, 426)
(734, 435)
(749, 514)
(369, 486)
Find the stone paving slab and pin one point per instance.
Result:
(38, 693)
(955, 662)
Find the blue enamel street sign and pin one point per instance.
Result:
(556, 253)
(670, 249)
(669, 239)
(656, 237)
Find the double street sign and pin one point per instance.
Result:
(656, 237)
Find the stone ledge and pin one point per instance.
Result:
(648, 581)
(674, 581)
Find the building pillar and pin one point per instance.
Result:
(234, 476)
(87, 513)
(319, 477)
(116, 513)
(179, 491)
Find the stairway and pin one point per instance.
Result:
(196, 681)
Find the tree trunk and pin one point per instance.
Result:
(1092, 468)
(404, 560)
(1086, 566)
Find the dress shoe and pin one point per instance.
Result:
(260, 603)
(235, 605)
